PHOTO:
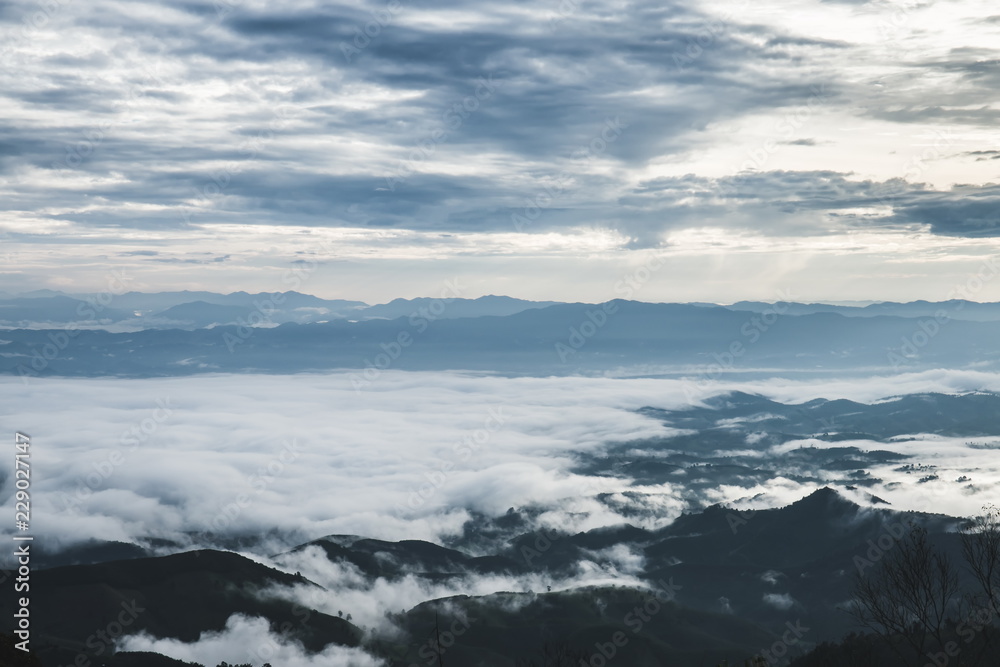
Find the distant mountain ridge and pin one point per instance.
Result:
(958, 309)
(200, 309)
(618, 337)
(134, 311)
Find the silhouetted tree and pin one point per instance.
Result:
(911, 596)
(981, 549)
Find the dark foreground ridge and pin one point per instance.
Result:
(715, 585)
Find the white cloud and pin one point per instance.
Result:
(247, 639)
(253, 123)
(782, 601)
(309, 456)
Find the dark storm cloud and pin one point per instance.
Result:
(964, 211)
(784, 201)
(985, 155)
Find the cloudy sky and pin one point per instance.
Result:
(537, 149)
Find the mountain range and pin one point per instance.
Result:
(716, 585)
(617, 337)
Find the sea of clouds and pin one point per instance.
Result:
(287, 459)
(406, 458)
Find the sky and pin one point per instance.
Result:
(542, 150)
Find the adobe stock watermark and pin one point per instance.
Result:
(975, 621)
(579, 334)
(892, 28)
(102, 641)
(33, 22)
(785, 128)
(59, 340)
(911, 345)
(268, 648)
(928, 328)
(463, 450)
(596, 147)
(224, 8)
(129, 441)
(598, 317)
(632, 282)
(365, 34)
(259, 316)
(974, 284)
(259, 481)
(433, 650)
(914, 166)
(452, 120)
(878, 548)
(94, 137)
(751, 332)
(708, 33)
(544, 540)
(263, 309)
(739, 518)
(635, 620)
(249, 149)
(6, 255)
(419, 321)
(546, 537)
(564, 10)
(777, 654)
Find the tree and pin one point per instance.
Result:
(981, 549)
(437, 641)
(911, 596)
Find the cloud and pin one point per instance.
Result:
(179, 127)
(292, 458)
(781, 601)
(817, 203)
(307, 455)
(286, 459)
(771, 577)
(246, 639)
(346, 590)
(964, 211)
(297, 132)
